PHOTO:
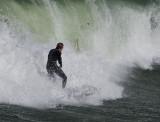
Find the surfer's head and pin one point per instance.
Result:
(59, 46)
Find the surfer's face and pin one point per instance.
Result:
(61, 48)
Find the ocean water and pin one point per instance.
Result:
(111, 58)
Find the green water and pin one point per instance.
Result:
(66, 20)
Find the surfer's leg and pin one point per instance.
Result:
(51, 72)
(61, 74)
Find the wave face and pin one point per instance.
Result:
(103, 40)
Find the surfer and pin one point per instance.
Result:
(52, 67)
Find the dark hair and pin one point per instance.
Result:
(59, 45)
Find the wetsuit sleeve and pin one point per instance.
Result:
(60, 59)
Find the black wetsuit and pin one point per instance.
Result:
(52, 67)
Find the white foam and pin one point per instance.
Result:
(24, 80)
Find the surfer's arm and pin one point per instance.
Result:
(60, 59)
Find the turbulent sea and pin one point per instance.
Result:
(111, 58)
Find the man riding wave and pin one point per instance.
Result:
(52, 67)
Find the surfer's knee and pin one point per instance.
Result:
(65, 78)
(64, 81)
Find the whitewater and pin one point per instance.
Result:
(102, 43)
